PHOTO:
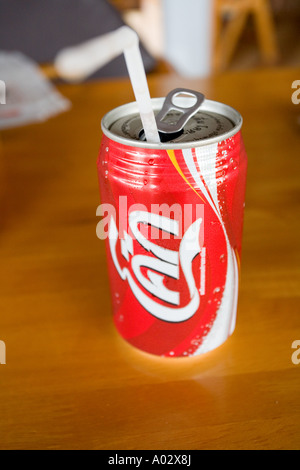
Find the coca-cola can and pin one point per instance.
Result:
(172, 217)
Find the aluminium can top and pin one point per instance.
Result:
(214, 122)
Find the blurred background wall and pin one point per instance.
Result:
(194, 37)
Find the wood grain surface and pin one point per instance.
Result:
(70, 382)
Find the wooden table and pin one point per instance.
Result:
(70, 381)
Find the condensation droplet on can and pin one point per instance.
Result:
(234, 163)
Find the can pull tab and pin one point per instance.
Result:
(170, 129)
(186, 112)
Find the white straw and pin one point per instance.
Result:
(78, 62)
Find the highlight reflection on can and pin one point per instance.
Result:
(174, 226)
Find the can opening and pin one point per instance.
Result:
(164, 137)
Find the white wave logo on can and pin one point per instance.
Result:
(224, 323)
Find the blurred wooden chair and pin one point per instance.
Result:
(236, 13)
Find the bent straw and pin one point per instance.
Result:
(76, 63)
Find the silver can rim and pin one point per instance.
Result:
(132, 108)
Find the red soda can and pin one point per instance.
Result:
(172, 219)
